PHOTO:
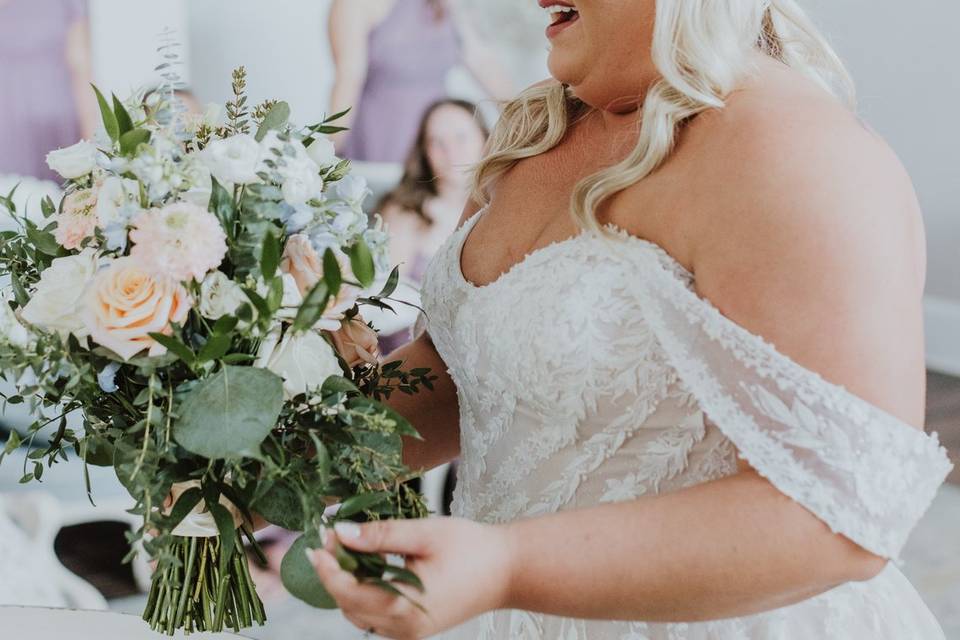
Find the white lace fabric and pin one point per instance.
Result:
(584, 375)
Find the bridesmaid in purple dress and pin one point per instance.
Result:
(392, 60)
(45, 95)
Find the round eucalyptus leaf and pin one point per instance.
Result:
(229, 414)
(281, 506)
(301, 579)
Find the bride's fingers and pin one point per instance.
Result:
(352, 596)
(407, 537)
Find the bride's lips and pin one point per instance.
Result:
(565, 15)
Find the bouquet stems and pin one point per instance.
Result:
(196, 595)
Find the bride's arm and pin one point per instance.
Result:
(434, 414)
(726, 548)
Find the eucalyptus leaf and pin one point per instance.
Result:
(301, 579)
(275, 120)
(280, 505)
(231, 413)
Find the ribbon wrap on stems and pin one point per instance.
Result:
(199, 523)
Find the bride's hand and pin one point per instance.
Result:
(465, 568)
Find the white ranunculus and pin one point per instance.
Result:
(11, 331)
(220, 296)
(303, 360)
(114, 198)
(234, 160)
(323, 152)
(301, 183)
(74, 161)
(57, 302)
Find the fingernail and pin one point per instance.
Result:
(347, 530)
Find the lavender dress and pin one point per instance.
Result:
(410, 54)
(37, 107)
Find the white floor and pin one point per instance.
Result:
(932, 563)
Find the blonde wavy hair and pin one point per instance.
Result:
(701, 49)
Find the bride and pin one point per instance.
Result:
(692, 409)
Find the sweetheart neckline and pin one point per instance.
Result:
(531, 256)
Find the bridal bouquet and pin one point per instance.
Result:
(195, 298)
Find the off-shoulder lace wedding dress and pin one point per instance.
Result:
(584, 376)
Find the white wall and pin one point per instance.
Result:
(904, 57)
(282, 44)
(124, 37)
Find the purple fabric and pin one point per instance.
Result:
(410, 55)
(37, 108)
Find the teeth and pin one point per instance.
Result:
(559, 8)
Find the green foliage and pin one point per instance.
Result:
(275, 119)
(230, 413)
(201, 412)
(300, 578)
(132, 139)
(124, 122)
(110, 122)
(361, 261)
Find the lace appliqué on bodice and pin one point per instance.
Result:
(584, 375)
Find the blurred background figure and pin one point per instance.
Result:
(45, 74)
(423, 209)
(392, 60)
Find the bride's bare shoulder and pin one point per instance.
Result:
(808, 231)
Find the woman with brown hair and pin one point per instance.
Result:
(423, 210)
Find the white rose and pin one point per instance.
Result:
(303, 360)
(234, 160)
(301, 183)
(11, 331)
(56, 304)
(219, 296)
(114, 194)
(75, 161)
(323, 152)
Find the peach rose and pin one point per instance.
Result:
(302, 261)
(126, 302)
(356, 343)
(78, 220)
